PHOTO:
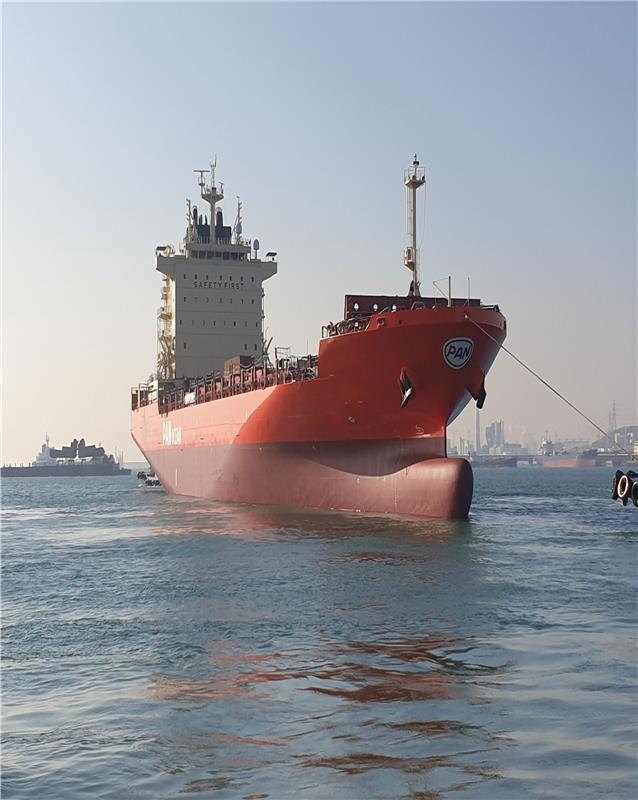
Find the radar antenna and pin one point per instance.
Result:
(201, 182)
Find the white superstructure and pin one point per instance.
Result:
(44, 458)
(212, 295)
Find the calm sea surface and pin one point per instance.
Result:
(156, 647)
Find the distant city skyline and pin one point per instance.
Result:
(530, 440)
(522, 114)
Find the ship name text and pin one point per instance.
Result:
(170, 434)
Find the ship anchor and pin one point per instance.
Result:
(405, 385)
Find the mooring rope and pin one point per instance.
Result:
(549, 386)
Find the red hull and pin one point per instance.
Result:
(558, 462)
(342, 440)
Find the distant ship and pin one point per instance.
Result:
(552, 456)
(493, 461)
(75, 460)
(360, 426)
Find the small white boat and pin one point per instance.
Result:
(148, 480)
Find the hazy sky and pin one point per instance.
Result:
(523, 114)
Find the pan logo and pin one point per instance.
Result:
(457, 352)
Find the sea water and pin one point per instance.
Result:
(156, 647)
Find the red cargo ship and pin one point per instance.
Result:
(359, 427)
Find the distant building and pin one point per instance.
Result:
(624, 438)
(465, 447)
(513, 449)
(495, 435)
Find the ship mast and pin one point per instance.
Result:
(212, 194)
(414, 178)
(238, 225)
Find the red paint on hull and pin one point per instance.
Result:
(557, 462)
(342, 440)
(374, 477)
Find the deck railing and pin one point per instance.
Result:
(172, 395)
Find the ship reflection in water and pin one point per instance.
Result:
(186, 515)
(296, 662)
(338, 714)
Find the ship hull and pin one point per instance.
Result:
(347, 439)
(566, 462)
(378, 477)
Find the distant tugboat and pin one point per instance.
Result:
(75, 460)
